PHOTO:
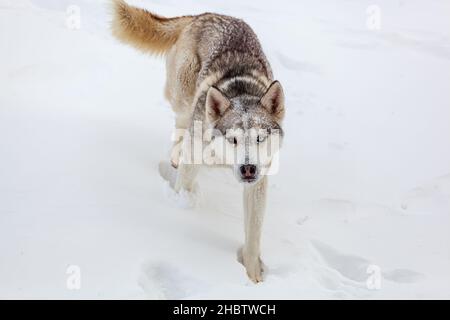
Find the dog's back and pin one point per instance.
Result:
(225, 43)
(197, 47)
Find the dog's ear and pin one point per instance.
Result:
(273, 101)
(216, 104)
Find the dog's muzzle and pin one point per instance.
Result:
(248, 172)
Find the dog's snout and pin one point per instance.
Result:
(248, 171)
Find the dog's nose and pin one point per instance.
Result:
(248, 171)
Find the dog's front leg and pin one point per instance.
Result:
(187, 170)
(185, 179)
(254, 207)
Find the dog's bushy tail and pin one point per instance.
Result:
(144, 30)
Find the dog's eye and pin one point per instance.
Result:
(232, 140)
(260, 139)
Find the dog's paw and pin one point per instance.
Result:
(189, 199)
(183, 199)
(253, 265)
(255, 270)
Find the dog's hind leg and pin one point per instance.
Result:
(182, 66)
(254, 207)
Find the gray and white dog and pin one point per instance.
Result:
(220, 82)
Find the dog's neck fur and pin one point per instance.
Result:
(238, 81)
(242, 85)
(246, 87)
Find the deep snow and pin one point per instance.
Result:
(365, 168)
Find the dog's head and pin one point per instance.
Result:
(249, 127)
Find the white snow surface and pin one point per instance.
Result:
(364, 174)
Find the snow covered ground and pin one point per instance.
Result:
(363, 192)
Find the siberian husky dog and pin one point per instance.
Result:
(221, 88)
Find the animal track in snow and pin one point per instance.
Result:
(355, 268)
(403, 276)
(161, 280)
(293, 64)
(351, 266)
(432, 197)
